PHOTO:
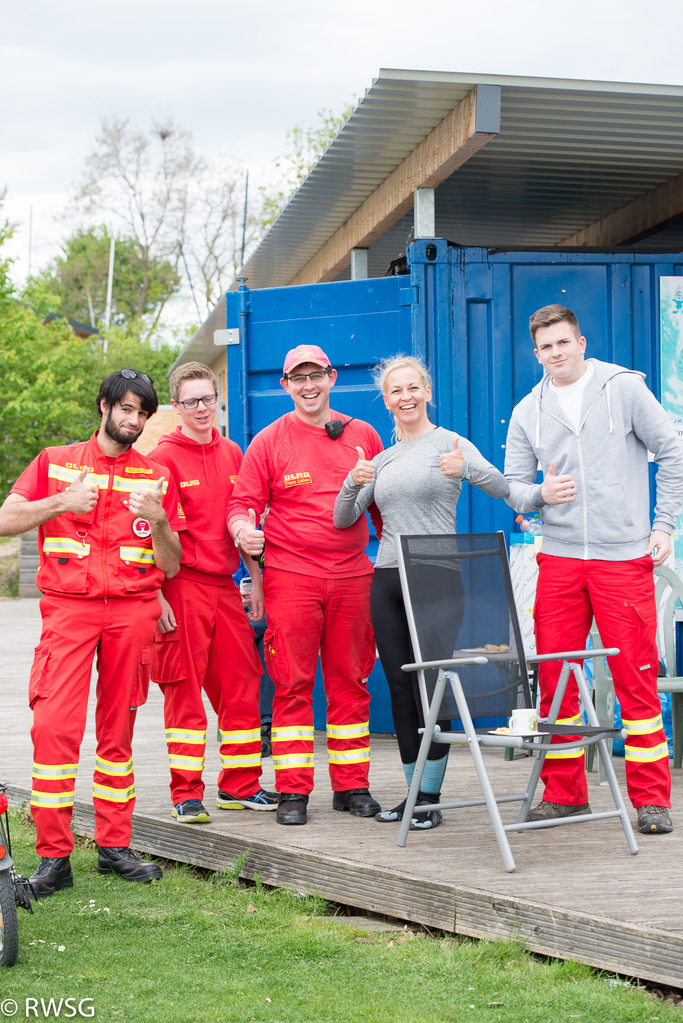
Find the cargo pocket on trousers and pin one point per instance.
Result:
(370, 653)
(274, 656)
(39, 681)
(167, 659)
(646, 620)
(141, 687)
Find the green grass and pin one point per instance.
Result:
(193, 949)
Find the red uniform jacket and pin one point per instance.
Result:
(107, 552)
(297, 470)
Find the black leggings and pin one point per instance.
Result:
(393, 644)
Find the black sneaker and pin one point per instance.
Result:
(427, 819)
(122, 861)
(654, 820)
(260, 800)
(266, 741)
(554, 811)
(191, 811)
(392, 816)
(51, 874)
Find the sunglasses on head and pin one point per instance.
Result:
(130, 374)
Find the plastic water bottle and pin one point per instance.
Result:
(532, 526)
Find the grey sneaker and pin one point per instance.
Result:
(554, 811)
(654, 820)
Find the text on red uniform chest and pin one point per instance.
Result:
(295, 479)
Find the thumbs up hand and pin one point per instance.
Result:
(147, 503)
(557, 489)
(452, 462)
(250, 538)
(79, 496)
(363, 471)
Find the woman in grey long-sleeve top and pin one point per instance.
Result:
(416, 485)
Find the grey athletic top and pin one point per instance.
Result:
(412, 494)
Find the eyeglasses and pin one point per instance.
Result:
(301, 378)
(207, 400)
(130, 374)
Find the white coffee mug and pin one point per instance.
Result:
(523, 721)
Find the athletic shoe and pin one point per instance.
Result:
(555, 811)
(51, 874)
(266, 741)
(292, 808)
(122, 861)
(654, 820)
(358, 802)
(261, 800)
(391, 816)
(191, 811)
(427, 819)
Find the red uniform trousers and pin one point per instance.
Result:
(620, 594)
(122, 632)
(211, 648)
(307, 616)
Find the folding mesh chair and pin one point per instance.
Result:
(461, 614)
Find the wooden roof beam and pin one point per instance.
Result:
(638, 219)
(459, 136)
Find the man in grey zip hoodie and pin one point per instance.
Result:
(589, 425)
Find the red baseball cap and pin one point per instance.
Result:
(305, 353)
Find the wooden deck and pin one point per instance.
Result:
(577, 893)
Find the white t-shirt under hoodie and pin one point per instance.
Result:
(571, 397)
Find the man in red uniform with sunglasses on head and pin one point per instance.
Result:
(204, 639)
(108, 534)
(316, 585)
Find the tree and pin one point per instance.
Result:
(83, 265)
(164, 197)
(304, 148)
(51, 377)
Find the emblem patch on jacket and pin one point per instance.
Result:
(141, 528)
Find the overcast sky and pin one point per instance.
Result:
(239, 75)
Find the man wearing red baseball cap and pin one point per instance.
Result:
(316, 584)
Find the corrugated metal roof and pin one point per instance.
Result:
(568, 153)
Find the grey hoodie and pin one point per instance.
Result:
(609, 520)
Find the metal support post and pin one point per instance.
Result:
(359, 264)
(425, 219)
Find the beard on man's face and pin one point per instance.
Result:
(117, 435)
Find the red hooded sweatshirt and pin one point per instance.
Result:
(204, 475)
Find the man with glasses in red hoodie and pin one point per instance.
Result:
(204, 640)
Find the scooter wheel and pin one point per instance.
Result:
(9, 924)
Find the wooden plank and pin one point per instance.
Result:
(446, 148)
(629, 224)
(604, 942)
